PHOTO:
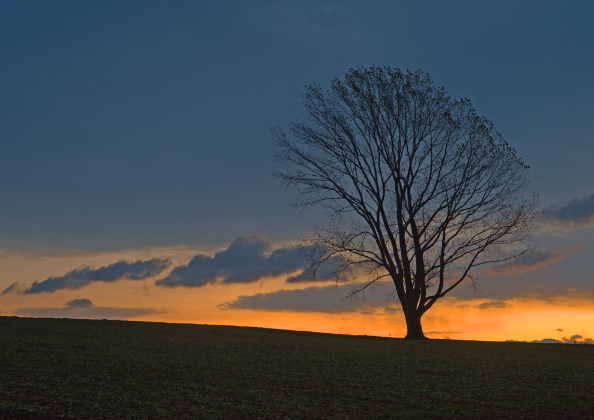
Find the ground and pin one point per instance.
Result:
(85, 369)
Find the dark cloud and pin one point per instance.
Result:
(85, 275)
(532, 261)
(560, 329)
(327, 299)
(573, 337)
(14, 287)
(577, 339)
(93, 312)
(78, 303)
(492, 304)
(574, 214)
(556, 286)
(247, 260)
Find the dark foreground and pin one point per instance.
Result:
(82, 369)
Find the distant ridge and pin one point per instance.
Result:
(546, 341)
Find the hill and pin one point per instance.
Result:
(86, 369)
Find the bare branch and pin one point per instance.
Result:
(417, 186)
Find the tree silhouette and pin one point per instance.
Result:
(417, 186)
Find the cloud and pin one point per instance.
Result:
(578, 339)
(90, 312)
(560, 329)
(492, 304)
(84, 308)
(574, 214)
(573, 338)
(326, 299)
(85, 275)
(531, 261)
(543, 341)
(145, 291)
(14, 287)
(78, 303)
(247, 260)
(324, 273)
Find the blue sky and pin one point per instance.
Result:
(146, 123)
(142, 124)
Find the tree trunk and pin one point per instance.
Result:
(414, 330)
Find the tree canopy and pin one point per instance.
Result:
(418, 187)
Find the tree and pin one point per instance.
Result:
(417, 186)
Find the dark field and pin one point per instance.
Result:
(83, 369)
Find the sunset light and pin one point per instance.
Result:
(415, 180)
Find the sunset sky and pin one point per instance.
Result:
(136, 152)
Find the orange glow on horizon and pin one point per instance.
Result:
(517, 319)
(528, 322)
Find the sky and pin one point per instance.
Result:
(136, 156)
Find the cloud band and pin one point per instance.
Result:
(85, 275)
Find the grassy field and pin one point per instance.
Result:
(84, 369)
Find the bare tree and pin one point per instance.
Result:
(418, 187)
